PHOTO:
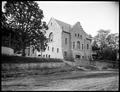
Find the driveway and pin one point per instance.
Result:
(70, 81)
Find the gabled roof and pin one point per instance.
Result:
(78, 24)
(64, 26)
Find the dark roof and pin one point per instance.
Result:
(65, 27)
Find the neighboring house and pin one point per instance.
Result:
(31, 51)
(7, 50)
(66, 41)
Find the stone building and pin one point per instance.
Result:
(66, 41)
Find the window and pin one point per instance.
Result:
(65, 53)
(78, 56)
(65, 40)
(78, 35)
(78, 44)
(57, 50)
(48, 47)
(39, 55)
(87, 46)
(51, 37)
(75, 35)
(82, 47)
(52, 49)
(73, 45)
(46, 55)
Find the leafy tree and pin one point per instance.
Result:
(113, 41)
(106, 45)
(25, 18)
(100, 38)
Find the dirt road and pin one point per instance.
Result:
(80, 81)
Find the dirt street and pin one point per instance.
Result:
(71, 81)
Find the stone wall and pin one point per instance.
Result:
(7, 66)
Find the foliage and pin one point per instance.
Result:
(106, 45)
(21, 59)
(25, 18)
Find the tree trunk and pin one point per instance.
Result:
(10, 39)
(23, 52)
(23, 45)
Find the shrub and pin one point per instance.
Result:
(21, 59)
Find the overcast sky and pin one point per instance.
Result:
(93, 16)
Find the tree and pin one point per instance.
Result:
(100, 38)
(106, 45)
(25, 18)
(113, 41)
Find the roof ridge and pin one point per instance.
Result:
(62, 22)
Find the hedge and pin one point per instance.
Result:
(21, 59)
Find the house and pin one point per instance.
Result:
(66, 41)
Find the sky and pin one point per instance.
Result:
(92, 15)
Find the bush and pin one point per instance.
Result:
(21, 59)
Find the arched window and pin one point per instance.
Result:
(51, 37)
(78, 44)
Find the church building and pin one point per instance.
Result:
(66, 42)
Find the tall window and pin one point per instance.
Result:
(57, 50)
(48, 48)
(73, 45)
(87, 46)
(52, 49)
(78, 44)
(65, 40)
(75, 35)
(82, 47)
(51, 37)
(78, 35)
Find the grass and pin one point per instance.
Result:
(10, 74)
